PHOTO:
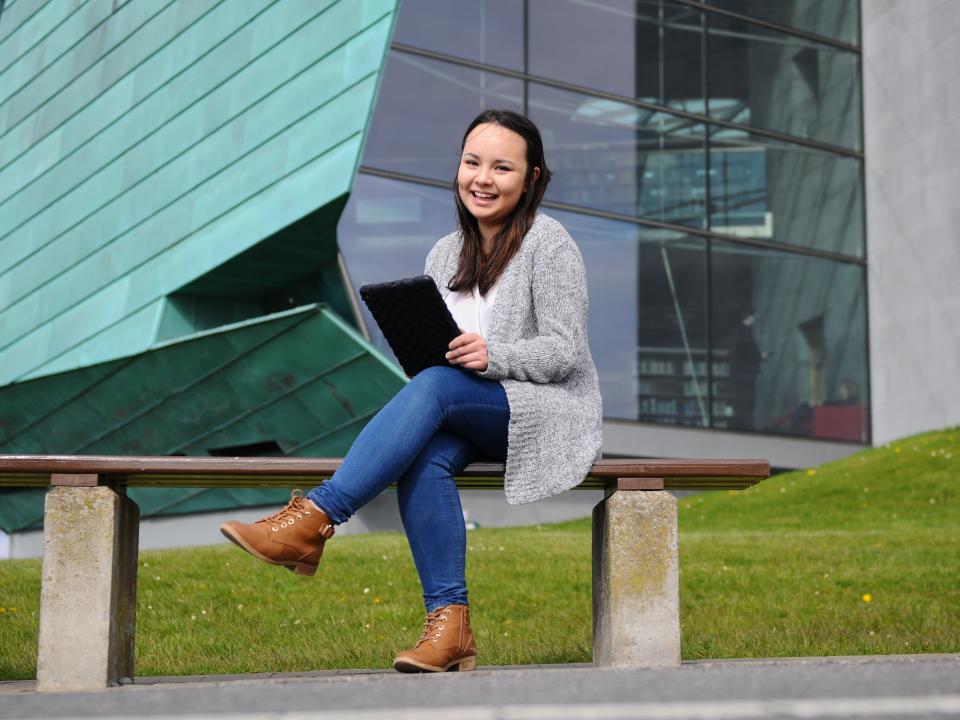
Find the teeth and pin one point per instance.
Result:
(485, 196)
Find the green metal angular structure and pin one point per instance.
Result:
(301, 382)
(171, 177)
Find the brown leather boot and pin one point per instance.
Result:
(445, 644)
(293, 537)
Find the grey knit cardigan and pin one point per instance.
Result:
(537, 348)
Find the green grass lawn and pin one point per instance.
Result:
(860, 556)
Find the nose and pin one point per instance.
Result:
(483, 176)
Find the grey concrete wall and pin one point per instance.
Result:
(912, 106)
(626, 439)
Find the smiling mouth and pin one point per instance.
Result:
(482, 196)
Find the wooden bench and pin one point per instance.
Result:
(88, 587)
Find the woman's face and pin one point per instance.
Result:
(492, 171)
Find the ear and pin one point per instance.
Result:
(536, 175)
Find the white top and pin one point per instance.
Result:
(472, 311)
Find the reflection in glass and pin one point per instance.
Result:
(387, 229)
(789, 193)
(647, 321)
(787, 333)
(623, 47)
(781, 82)
(424, 107)
(617, 157)
(837, 19)
(486, 31)
(789, 344)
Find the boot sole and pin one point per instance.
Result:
(407, 665)
(297, 568)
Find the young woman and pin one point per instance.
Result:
(520, 386)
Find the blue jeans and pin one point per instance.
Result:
(441, 420)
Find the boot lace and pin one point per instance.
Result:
(433, 625)
(294, 510)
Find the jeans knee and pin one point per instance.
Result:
(431, 383)
(434, 378)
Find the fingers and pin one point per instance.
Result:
(464, 339)
(465, 344)
(467, 354)
(468, 350)
(474, 361)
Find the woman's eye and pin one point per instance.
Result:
(502, 167)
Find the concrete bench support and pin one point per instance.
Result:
(88, 591)
(636, 593)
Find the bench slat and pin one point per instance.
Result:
(189, 481)
(35, 471)
(313, 467)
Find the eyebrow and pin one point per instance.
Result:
(499, 160)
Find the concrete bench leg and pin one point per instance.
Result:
(89, 589)
(636, 594)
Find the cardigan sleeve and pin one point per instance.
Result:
(559, 295)
(437, 264)
(432, 265)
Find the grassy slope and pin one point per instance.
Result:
(781, 569)
(784, 568)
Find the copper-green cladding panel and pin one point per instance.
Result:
(301, 382)
(145, 146)
(296, 266)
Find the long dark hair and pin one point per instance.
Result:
(475, 268)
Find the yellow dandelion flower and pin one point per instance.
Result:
(811, 472)
(376, 601)
(867, 598)
(898, 450)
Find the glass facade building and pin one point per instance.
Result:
(708, 160)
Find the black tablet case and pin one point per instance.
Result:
(414, 319)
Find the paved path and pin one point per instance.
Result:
(903, 686)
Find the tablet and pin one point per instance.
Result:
(414, 319)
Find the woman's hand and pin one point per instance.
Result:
(468, 350)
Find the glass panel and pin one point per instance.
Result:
(387, 229)
(789, 344)
(647, 318)
(837, 19)
(617, 157)
(642, 56)
(789, 193)
(423, 109)
(780, 82)
(486, 31)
